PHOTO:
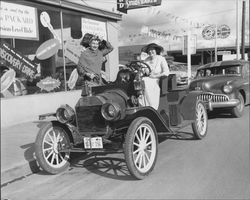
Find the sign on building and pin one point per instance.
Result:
(94, 27)
(17, 61)
(18, 21)
(124, 5)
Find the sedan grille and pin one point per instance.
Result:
(213, 97)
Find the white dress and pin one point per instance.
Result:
(151, 97)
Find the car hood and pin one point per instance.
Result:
(212, 84)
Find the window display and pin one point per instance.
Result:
(40, 47)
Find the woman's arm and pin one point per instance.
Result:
(108, 48)
(164, 69)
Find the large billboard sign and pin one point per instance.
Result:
(124, 5)
(18, 21)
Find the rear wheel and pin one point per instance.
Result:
(141, 147)
(49, 140)
(200, 124)
(238, 110)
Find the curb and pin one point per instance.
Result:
(19, 172)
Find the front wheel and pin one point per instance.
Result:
(200, 124)
(239, 109)
(141, 147)
(49, 140)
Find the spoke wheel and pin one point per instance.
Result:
(200, 124)
(49, 141)
(141, 147)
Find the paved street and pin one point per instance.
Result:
(216, 167)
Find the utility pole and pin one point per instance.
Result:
(243, 31)
(237, 31)
(189, 56)
(215, 43)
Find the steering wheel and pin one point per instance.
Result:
(138, 65)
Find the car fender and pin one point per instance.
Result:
(188, 104)
(160, 124)
(66, 128)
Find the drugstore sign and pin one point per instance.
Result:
(17, 61)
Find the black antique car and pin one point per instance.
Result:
(225, 85)
(109, 118)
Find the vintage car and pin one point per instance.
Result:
(226, 85)
(109, 118)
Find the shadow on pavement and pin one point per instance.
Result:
(179, 135)
(29, 150)
(110, 167)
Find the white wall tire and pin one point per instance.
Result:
(141, 147)
(49, 139)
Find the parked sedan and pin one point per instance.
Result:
(225, 83)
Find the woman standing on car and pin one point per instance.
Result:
(91, 59)
(159, 67)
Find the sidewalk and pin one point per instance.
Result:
(17, 151)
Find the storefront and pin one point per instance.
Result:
(39, 50)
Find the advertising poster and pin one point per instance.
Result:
(18, 21)
(94, 27)
(17, 61)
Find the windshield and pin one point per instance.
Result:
(225, 70)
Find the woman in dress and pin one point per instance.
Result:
(159, 67)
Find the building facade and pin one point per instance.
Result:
(39, 50)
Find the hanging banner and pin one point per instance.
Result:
(17, 61)
(18, 21)
(124, 5)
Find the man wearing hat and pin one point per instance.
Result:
(159, 67)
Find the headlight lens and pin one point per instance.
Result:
(65, 114)
(227, 89)
(111, 111)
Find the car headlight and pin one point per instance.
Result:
(65, 114)
(227, 89)
(111, 111)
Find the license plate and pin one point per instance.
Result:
(93, 142)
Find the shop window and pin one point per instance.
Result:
(30, 49)
(32, 59)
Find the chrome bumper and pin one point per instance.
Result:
(217, 100)
(227, 104)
